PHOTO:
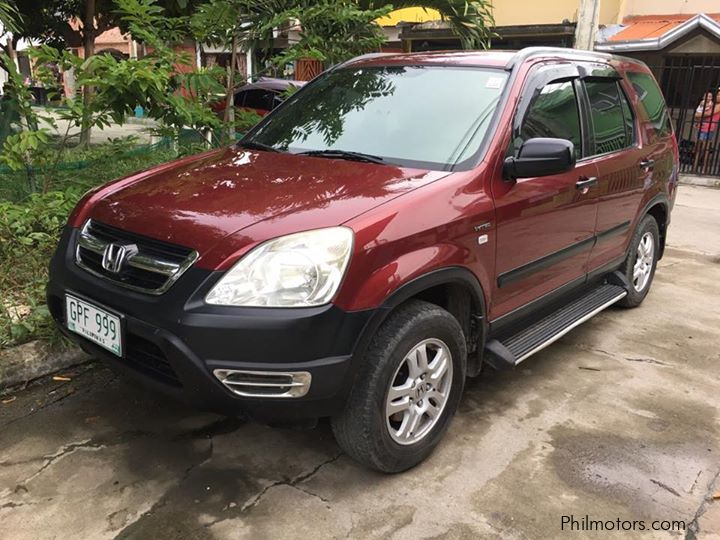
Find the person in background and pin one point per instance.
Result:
(708, 114)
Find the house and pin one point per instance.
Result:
(518, 24)
(680, 41)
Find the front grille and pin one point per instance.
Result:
(145, 356)
(146, 264)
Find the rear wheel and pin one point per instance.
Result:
(639, 267)
(406, 391)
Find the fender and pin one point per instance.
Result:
(662, 200)
(448, 275)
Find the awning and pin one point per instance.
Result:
(655, 32)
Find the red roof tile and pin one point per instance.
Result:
(652, 26)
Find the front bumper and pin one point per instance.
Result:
(174, 342)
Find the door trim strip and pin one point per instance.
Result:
(526, 270)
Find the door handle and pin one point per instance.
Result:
(586, 183)
(647, 164)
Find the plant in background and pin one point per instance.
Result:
(333, 31)
(9, 16)
(471, 20)
(233, 25)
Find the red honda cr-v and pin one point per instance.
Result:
(395, 225)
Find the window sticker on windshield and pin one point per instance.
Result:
(494, 82)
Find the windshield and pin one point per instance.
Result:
(417, 116)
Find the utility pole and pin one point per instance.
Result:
(587, 24)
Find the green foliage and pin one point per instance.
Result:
(9, 16)
(333, 31)
(28, 234)
(29, 230)
(471, 20)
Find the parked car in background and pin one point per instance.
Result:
(395, 226)
(260, 97)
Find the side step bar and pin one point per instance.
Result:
(512, 350)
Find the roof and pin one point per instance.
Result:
(446, 58)
(655, 32)
(267, 83)
(502, 59)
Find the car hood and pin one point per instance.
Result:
(198, 201)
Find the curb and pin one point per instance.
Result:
(703, 181)
(35, 359)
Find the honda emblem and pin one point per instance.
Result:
(114, 256)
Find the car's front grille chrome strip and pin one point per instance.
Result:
(153, 274)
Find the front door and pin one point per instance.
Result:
(545, 225)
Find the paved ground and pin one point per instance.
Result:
(619, 419)
(97, 135)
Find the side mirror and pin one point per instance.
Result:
(540, 157)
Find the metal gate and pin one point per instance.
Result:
(686, 81)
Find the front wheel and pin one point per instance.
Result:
(406, 391)
(639, 267)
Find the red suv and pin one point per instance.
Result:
(394, 226)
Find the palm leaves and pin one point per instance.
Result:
(9, 16)
(470, 20)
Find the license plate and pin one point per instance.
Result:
(94, 323)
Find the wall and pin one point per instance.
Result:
(517, 12)
(666, 7)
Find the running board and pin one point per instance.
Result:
(512, 350)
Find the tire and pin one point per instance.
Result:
(648, 234)
(364, 429)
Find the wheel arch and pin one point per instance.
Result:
(455, 289)
(658, 208)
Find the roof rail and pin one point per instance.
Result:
(570, 54)
(367, 56)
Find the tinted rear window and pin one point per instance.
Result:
(652, 100)
(610, 120)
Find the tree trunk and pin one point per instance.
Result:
(229, 117)
(88, 36)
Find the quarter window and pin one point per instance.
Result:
(610, 115)
(553, 112)
(652, 100)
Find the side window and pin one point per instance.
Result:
(652, 101)
(240, 99)
(628, 117)
(259, 99)
(553, 112)
(609, 117)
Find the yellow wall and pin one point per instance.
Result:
(409, 15)
(668, 7)
(518, 12)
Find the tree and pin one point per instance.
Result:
(62, 23)
(471, 20)
(8, 16)
(331, 31)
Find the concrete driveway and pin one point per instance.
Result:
(616, 421)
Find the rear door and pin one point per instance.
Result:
(616, 151)
(545, 225)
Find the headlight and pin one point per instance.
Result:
(303, 269)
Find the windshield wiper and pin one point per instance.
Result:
(254, 145)
(344, 154)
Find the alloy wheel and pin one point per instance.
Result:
(644, 260)
(419, 391)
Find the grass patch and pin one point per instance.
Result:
(30, 224)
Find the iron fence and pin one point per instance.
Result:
(686, 81)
